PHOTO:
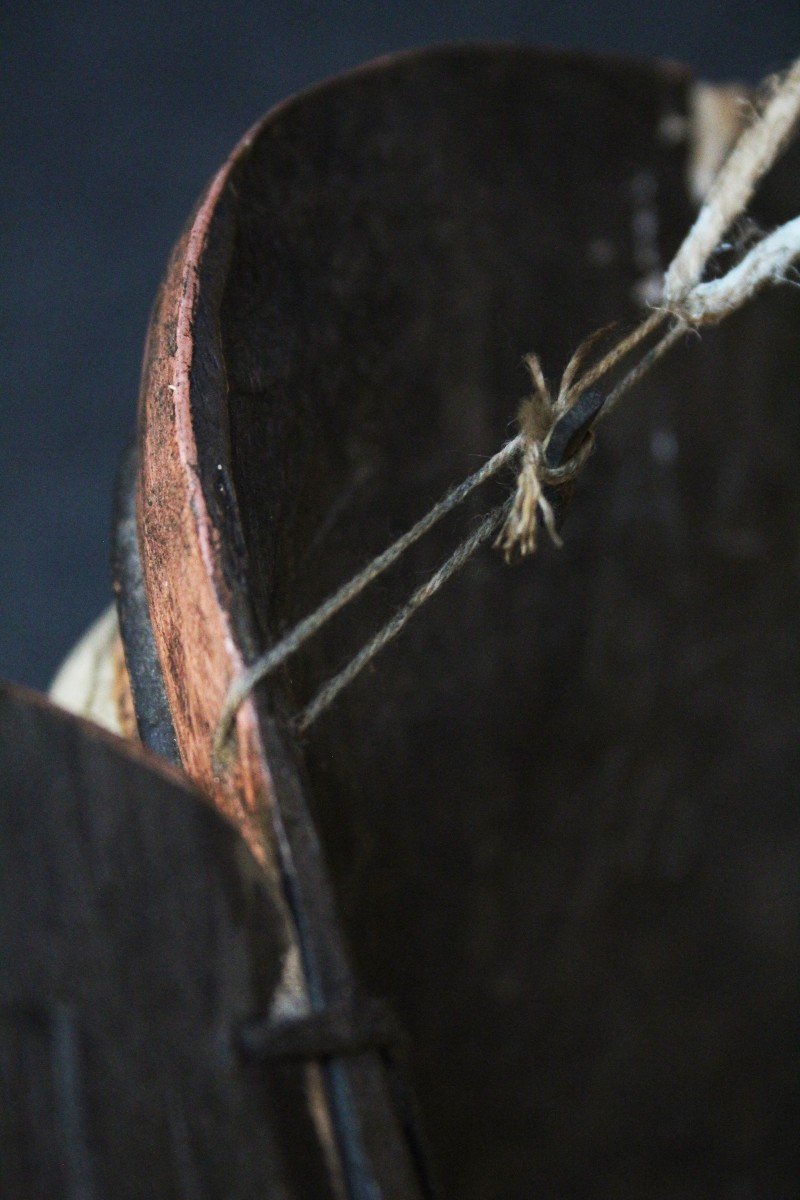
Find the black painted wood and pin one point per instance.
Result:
(153, 719)
(136, 935)
(561, 814)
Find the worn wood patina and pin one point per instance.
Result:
(557, 825)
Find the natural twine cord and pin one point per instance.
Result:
(754, 153)
(243, 684)
(329, 691)
(687, 303)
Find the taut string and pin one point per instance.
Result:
(687, 303)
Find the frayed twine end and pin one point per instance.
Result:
(536, 418)
(519, 532)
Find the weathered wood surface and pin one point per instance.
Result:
(561, 815)
(136, 935)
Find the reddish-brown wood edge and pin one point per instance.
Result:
(190, 599)
(187, 599)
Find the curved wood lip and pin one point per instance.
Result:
(134, 752)
(207, 544)
(138, 755)
(202, 627)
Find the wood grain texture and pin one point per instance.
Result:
(136, 936)
(560, 816)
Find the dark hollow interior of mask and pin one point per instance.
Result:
(560, 812)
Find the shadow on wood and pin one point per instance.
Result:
(559, 819)
(136, 935)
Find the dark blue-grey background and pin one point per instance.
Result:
(113, 116)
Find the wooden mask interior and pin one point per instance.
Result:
(561, 811)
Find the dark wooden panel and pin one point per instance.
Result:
(560, 814)
(136, 934)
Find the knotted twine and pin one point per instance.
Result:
(687, 303)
